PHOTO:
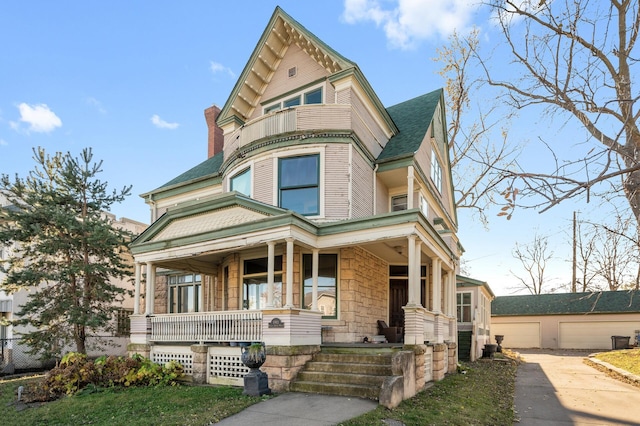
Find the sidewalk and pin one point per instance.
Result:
(294, 409)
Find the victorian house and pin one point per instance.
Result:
(321, 219)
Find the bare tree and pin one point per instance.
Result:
(534, 257)
(615, 257)
(576, 57)
(477, 135)
(585, 244)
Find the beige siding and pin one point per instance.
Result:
(308, 71)
(336, 181)
(328, 117)
(263, 181)
(364, 124)
(382, 197)
(362, 187)
(343, 97)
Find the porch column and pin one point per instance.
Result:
(414, 278)
(427, 303)
(136, 297)
(271, 248)
(446, 292)
(314, 279)
(151, 284)
(289, 304)
(437, 284)
(410, 188)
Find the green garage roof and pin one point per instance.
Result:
(567, 303)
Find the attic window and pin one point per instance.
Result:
(293, 71)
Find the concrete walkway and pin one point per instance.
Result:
(295, 409)
(556, 388)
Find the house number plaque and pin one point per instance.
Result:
(276, 323)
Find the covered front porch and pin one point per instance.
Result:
(258, 273)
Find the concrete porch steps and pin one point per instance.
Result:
(346, 371)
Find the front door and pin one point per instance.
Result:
(398, 297)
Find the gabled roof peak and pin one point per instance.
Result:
(281, 31)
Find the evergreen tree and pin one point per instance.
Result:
(65, 251)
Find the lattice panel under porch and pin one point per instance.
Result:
(225, 366)
(185, 359)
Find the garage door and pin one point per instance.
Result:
(594, 334)
(518, 334)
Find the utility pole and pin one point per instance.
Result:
(573, 276)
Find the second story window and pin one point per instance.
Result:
(299, 184)
(313, 96)
(399, 202)
(436, 172)
(464, 306)
(241, 182)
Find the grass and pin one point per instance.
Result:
(178, 405)
(626, 359)
(482, 395)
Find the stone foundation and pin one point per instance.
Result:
(139, 348)
(439, 363)
(453, 357)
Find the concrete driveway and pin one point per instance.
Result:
(555, 387)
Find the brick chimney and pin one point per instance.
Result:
(216, 137)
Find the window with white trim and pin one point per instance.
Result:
(254, 283)
(185, 292)
(327, 283)
(464, 306)
(436, 171)
(241, 182)
(299, 184)
(398, 202)
(310, 97)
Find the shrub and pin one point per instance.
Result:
(76, 373)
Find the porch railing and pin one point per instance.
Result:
(302, 118)
(228, 326)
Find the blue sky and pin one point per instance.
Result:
(131, 79)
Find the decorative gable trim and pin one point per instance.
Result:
(281, 31)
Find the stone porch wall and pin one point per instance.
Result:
(363, 292)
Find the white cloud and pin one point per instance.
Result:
(161, 124)
(39, 117)
(218, 68)
(407, 22)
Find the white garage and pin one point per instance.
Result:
(567, 320)
(594, 334)
(518, 334)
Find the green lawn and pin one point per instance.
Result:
(178, 405)
(483, 395)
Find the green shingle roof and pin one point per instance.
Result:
(209, 167)
(567, 303)
(412, 118)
